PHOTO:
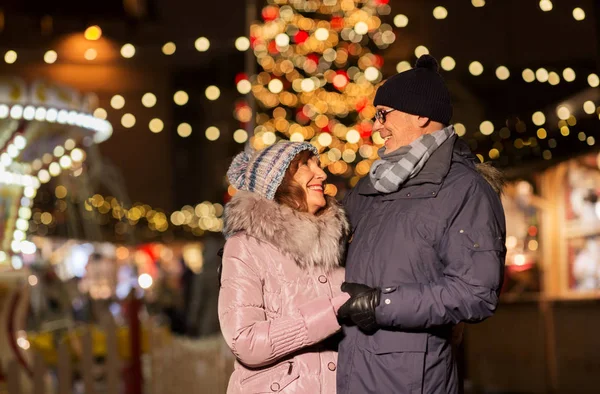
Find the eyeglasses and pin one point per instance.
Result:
(381, 114)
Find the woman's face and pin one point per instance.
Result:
(312, 178)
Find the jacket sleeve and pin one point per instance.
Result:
(254, 340)
(472, 251)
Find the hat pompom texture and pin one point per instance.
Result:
(237, 170)
(428, 62)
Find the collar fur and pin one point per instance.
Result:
(312, 241)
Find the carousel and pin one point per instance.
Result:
(45, 129)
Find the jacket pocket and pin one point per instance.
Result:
(485, 258)
(270, 380)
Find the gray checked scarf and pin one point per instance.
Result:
(395, 168)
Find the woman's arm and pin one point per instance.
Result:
(254, 340)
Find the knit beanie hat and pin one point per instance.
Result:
(418, 91)
(262, 172)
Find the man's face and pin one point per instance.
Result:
(399, 129)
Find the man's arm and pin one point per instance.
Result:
(473, 252)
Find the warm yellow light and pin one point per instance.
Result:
(486, 127)
(440, 12)
(93, 33)
(212, 92)
(60, 191)
(322, 34)
(156, 125)
(553, 78)
(403, 66)
(184, 130)
(180, 97)
(50, 56)
(538, 118)
(542, 75)
(476, 68)
(10, 57)
(569, 74)
(528, 75)
(127, 51)
(240, 136)
(545, 5)
(421, 50)
(242, 44)
(494, 154)
(502, 73)
(448, 63)
(117, 101)
(361, 28)
(128, 120)
(401, 20)
(275, 86)
(460, 129)
(563, 112)
(244, 86)
(202, 44)
(325, 139)
(212, 133)
(593, 80)
(352, 136)
(100, 113)
(77, 155)
(169, 48)
(149, 100)
(589, 107)
(478, 3)
(542, 133)
(578, 14)
(90, 54)
(59, 151)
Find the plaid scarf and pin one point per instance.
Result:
(395, 168)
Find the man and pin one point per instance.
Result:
(427, 246)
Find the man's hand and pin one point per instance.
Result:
(360, 308)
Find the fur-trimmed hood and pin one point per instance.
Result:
(492, 175)
(312, 241)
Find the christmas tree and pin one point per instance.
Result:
(318, 71)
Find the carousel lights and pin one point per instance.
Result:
(476, 68)
(180, 97)
(568, 74)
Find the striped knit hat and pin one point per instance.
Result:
(262, 172)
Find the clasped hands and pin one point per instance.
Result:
(360, 308)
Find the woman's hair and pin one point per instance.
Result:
(290, 192)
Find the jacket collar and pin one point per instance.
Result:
(433, 173)
(312, 241)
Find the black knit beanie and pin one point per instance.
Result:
(418, 91)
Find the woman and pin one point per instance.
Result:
(280, 285)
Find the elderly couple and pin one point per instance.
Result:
(423, 251)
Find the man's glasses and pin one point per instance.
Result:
(381, 114)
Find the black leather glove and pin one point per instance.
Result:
(360, 308)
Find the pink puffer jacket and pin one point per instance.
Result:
(280, 291)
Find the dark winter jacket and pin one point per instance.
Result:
(436, 248)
